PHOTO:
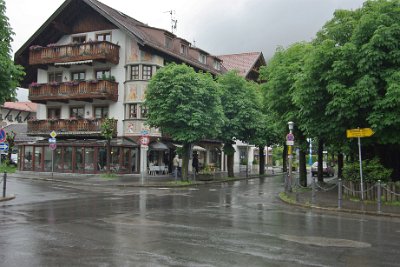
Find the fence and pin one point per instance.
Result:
(390, 191)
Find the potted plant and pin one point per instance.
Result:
(206, 174)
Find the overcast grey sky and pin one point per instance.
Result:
(217, 26)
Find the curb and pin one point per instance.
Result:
(7, 198)
(164, 185)
(305, 206)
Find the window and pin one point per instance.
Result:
(100, 112)
(217, 65)
(147, 72)
(184, 49)
(103, 74)
(135, 72)
(132, 111)
(53, 113)
(104, 37)
(143, 111)
(202, 58)
(55, 77)
(78, 76)
(78, 39)
(168, 42)
(76, 112)
(10, 117)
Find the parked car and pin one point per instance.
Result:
(326, 169)
(14, 158)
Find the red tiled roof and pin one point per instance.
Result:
(240, 62)
(24, 106)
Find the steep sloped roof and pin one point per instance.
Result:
(243, 63)
(23, 106)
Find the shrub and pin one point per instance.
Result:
(373, 171)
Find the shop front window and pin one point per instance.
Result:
(102, 159)
(47, 159)
(79, 159)
(28, 163)
(38, 158)
(115, 159)
(67, 158)
(89, 159)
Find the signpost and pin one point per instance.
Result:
(144, 141)
(52, 146)
(3, 135)
(359, 133)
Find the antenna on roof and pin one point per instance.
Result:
(194, 43)
(174, 21)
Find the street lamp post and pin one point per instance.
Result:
(290, 143)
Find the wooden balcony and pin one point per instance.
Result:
(67, 127)
(100, 51)
(81, 91)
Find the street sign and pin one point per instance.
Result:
(2, 135)
(53, 134)
(359, 132)
(3, 146)
(289, 137)
(290, 143)
(52, 140)
(53, 146)
(144, 140)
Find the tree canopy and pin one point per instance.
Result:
(10, 74)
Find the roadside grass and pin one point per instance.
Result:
(108, 176)
(388, 203)
(7, 168)
(180, 183)
(287, 198)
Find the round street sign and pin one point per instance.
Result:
(144, 140)
(289, 137)
(2, 135)
(53, 146)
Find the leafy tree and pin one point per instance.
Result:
(185, 105)
(10, 138)
(108, 131)
(242, 108)
(281, 75)
(10, 74)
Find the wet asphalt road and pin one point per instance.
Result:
(236, 224)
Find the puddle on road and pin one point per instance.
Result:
(325, 242)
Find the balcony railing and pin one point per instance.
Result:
(102, 51)
(81, 91)
(67, 127)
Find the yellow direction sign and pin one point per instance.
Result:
(53, 134)
(359, 132)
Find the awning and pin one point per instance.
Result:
(195, 148)
(158, 146)
(73, 63)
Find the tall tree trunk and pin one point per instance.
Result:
(340, 165)
(229, 152)
(262, 159)
(284, 158)
(302, 168)
(320, 160)
(185, 161)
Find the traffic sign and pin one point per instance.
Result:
(52, 140)
(144, 140)
(289, 137)
(3, 135)
(144, 132)
(53, 146)
(290, 143)
(53, 134)
(359, 132)
(3, 146)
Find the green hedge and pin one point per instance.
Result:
(373, 171)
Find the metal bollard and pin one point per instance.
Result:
(379, 196)
(340, 194)
(4, 184)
